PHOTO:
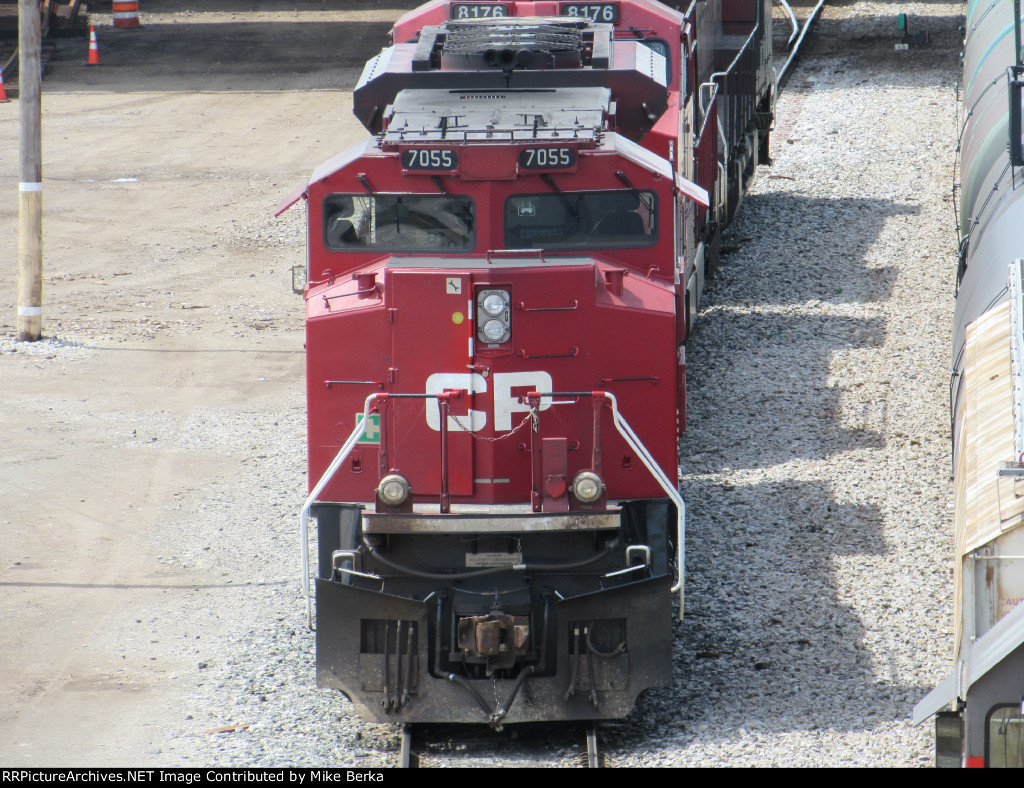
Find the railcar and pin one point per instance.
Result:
(499, 286)
(979, 707)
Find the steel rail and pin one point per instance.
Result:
(780, 79)
(792, 21)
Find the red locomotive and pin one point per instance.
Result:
(500, 282)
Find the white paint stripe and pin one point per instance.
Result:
(30, 311)
(127, 15)
(30, 187)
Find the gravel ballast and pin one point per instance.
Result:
(815, 466)
(816, 470)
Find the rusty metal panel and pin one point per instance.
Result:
(989, 508)
(523, 522)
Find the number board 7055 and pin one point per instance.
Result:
(438, 159)
(559, 157)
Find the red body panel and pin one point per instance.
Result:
(417, 329)
(415, 332)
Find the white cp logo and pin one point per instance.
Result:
(505, 402)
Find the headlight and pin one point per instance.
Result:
(393, 490)
(493, 316)
(587, 487)
(493, 304)
(493, 330)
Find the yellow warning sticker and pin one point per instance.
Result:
(457, 318)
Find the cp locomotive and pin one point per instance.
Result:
(500, 282)
(984, 694)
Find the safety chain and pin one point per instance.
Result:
(531, 416)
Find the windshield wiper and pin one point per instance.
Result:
(565, 200)
(636, 192)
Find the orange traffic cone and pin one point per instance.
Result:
(3, 90)
(94, 48)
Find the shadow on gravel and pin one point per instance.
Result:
(817, 250)
(764, 625)
(760, 383)
(766, 645)
(772, 401)
(197, 57)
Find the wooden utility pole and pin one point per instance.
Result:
(30, 206)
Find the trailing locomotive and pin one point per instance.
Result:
(500, 282)
(985, 691)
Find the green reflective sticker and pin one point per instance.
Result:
(372, 432)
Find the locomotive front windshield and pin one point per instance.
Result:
(581, 220)
(399, 223)
(1004, 739)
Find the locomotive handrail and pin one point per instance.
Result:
(343, 453)
(332, 469)
(742, 51)
(672, 491)
(704, 110)
(617, 419)
(712, 83)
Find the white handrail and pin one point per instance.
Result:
(343, 453)
(671, 490)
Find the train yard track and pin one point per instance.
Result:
(815, 465)
(788, 50)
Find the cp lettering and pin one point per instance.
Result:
(508, 388)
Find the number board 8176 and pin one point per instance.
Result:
(478, 10)
(595, 12)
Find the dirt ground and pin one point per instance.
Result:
(152, 461)
(166, 293)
